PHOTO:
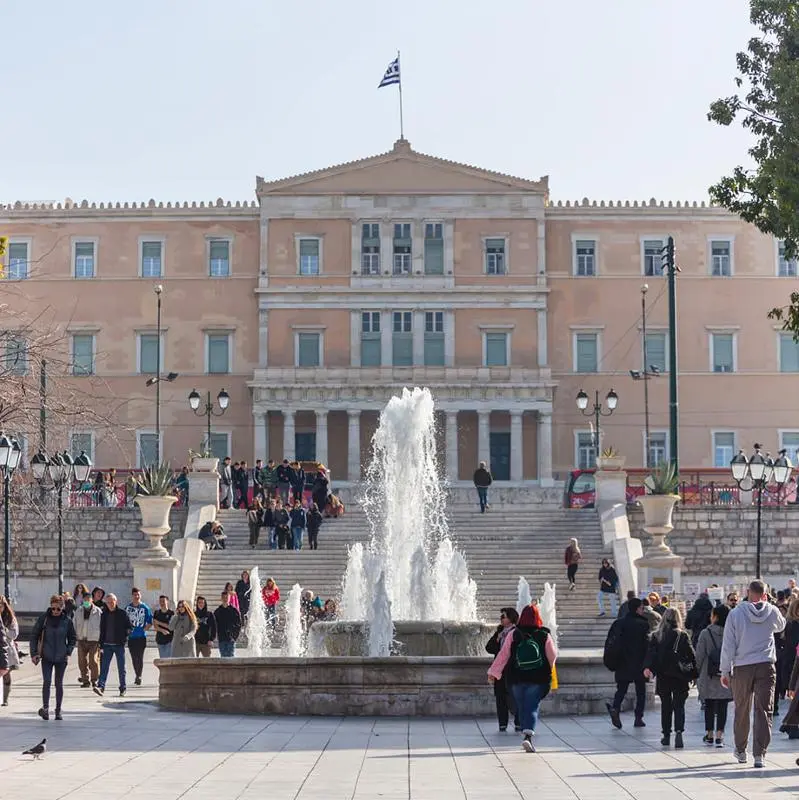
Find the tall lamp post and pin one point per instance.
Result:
(56, 473)
(757, 472)
(648, 371)
(10, 453)
(223, 400)
(611, 401)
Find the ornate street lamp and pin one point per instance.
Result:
(222, 399)
(611, 401)
(10, 454)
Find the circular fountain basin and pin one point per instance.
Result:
(411, 638)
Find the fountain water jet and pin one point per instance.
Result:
(523, 594)
(257, 631)
(295, 633)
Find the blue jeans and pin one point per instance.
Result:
(614, 602)
(165, 650)
(227, 649)
(482, 494)
(528, 698)
(109, 651)
(296, 538)
(272, 538)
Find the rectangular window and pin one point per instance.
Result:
(653, 257)
(147, 449)
(219, 258)
(371, 349)
(789, 440)
(82, 442)
(723, 345)
(402, 246)
(789, 353)
(495, 256)
(585, 257)
(219, 445)
(16, 355)
(370, 248)
(786, 268)
(83, 354)
(17, 261)
(496, 345)
(84, 259)
(586, 452)
(657, 452)
(148, 353)
(151, 257)
(586, 352)
(655, 352)
(402, 339)
(721, 258)
(434, 248)
(218, 353)
(723, 448)
(308, 346)
(309, 256)
(434, 339)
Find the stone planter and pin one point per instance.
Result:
(658, 510)
(205, 464)
(155, 521)
(611, 462)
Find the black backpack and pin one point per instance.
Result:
(612, 655)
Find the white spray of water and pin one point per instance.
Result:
(258, 639)
(523, 595)
(295, 635)
(381, 630)
(425, 578)
(547, 608)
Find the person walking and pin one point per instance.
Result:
(206, 627)
(297, 482)
(243, 589)
(572, 558)
(670, 658)
(8, 621)
(715, 697)
(299, 519)
(748, 657)
(228, 626)
(625, 651)
(52, 642)
(226, 483)
(314, 523)
(282, 522)
(255, 515)
(5, 647)
(163, 635)
(115, 628)
(508, 617)
(87, 628)
(183, 626)
(141, 620)
(271, 597)
(608, 586)
(698, 618)
(482, 480)
(529, 653)
(284, 474)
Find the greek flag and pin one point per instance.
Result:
(392, 74)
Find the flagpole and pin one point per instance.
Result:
(402, 127)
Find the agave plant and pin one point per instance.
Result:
(610, 452)
(664, 479)
(155, 481)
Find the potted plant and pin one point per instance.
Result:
(610, 459)
(659, 501)
(203, 460)
(155, 497)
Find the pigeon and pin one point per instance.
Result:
(38, 751)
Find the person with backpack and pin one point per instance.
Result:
(572, 558)
(671, 660)
(625, 651)
(508, 617)
(608, 587)
(526, 659)
(716, 698)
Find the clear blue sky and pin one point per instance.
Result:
(190, 99)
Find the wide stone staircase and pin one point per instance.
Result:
(499, 546)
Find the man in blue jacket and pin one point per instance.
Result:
(141, 620)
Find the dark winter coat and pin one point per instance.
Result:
(243, 589)
(320, 490)
(608, 580)
(663, 661)
(54, 638)
(698, 618)
(314, 520)
(5, 644)
(298, 518)
(283, 473)
(115, 627)
(298, 479)
(206, 626)
(482, 478)
(634, 641)
(228, 623)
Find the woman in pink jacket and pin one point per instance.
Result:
(526, 659)
(271, 595)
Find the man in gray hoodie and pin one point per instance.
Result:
(748, 657)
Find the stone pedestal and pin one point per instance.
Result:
(658, 563)
(611, 488)
(204, 488)
(156, 576)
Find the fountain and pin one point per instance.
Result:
(523, 595)
(257, 630)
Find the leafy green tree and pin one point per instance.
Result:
(767, 195)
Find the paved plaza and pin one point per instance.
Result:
(109, 748)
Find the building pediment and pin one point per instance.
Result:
(401, 171)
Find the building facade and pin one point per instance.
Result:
(333, 290)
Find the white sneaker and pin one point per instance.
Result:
(760, 762)
(740, 756)
(527, 744)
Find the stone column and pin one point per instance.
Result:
(386, 340)
(263, 338)
(516, 446)
(452, 445)
(260, 445)
(418, 338)
(545, 448)
(321, 437)
(289, 442)
(483, 437)
(355, 338)
(354, 445)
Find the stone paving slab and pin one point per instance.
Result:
(112, 748)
